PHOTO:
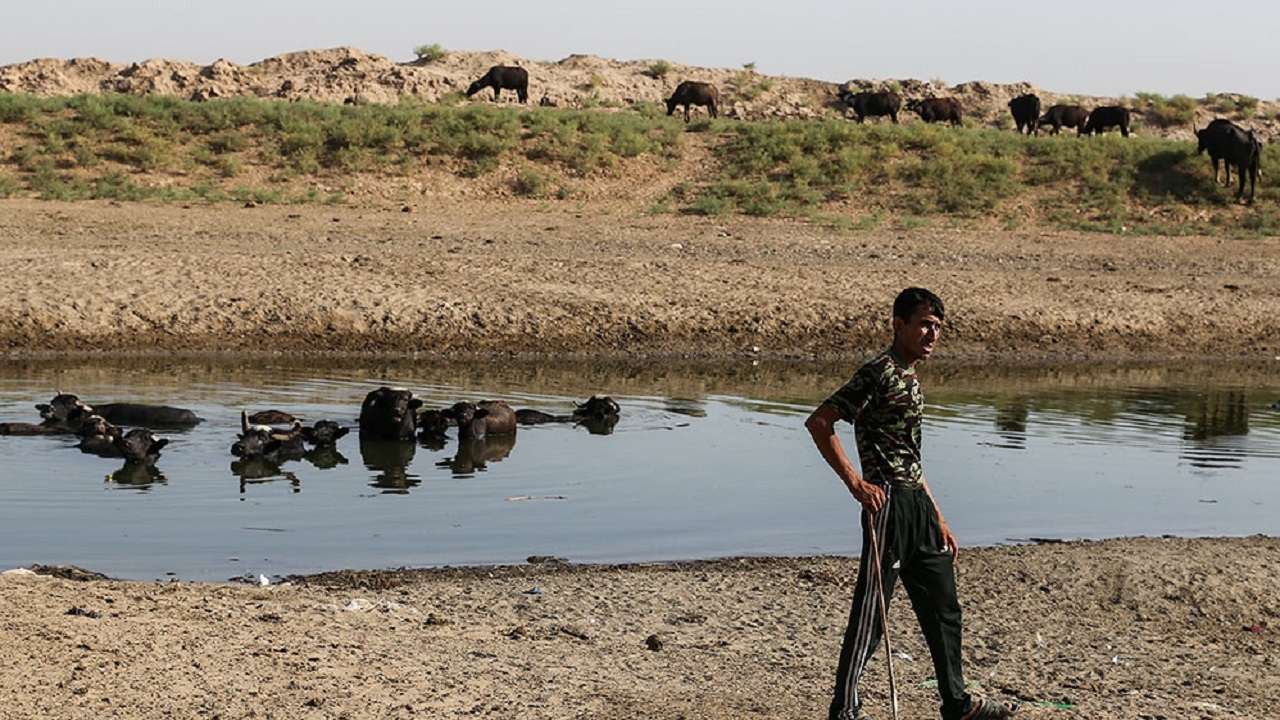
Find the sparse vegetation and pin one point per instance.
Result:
(430, 53)
(660, 69)
(1166, 112)
(129, 148)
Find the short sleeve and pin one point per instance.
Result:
(852, 399)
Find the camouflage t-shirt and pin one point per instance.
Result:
(885, 405)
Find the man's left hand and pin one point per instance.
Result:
(949, 542)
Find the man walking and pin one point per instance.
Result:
(884, 403)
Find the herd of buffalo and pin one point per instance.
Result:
(388, 416)
(1223, 140)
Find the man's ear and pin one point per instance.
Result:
(897, 324)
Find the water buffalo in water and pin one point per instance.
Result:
(482, 419)
(26, 428)
(324, 432)
(264, 441)
(503, 77)
(272, 417)
(140, 446)
(690, 93)
(389, 414)
(936, 110)
(432, 426)
(1104, 118)
(596, 407)
(98, 437)
(1026, 113)
(69, 409)
(1060, 116)
(1237, 148)
(876, 104)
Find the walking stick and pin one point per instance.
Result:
(884, 612)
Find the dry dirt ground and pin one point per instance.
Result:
(458, 276)
(1120, 629)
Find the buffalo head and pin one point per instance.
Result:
(597, 406)
(140, 446)
(324, 432)
(264, 440)
(65, 408)
(389, 414)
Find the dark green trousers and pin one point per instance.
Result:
(910, 542)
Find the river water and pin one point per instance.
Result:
(707, 460)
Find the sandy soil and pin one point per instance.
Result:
(453, 276)
(1135, 628)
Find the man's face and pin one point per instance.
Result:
(915, 337)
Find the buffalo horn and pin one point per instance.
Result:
(286, 435)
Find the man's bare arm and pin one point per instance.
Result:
(822, 428)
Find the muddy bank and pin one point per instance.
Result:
(528, 278)
(1128, 628)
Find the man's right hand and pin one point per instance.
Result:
(870, 495)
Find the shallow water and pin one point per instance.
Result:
(707, 460)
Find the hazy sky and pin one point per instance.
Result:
(1089, 47)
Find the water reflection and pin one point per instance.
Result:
(1213, 415)
(601, 425)
(261, 470)
(325, 457)
(1011, 423)
(474, 454)
(390, 460)
(137, 476)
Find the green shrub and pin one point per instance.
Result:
(9, 185)
(660, 69)
(1167, 112)
(430, 53)
(530, 183)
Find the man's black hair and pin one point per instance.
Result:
(910, 300)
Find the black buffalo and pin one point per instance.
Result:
(503, 77)
(936, 110)
(1237, 148)
(876, 104)
(264, 441)
(66, 408)
(140, 446)
(324, 432)
(432, 426)
(1212, 140)
(597, 407)
(272, 417)
(1104, 118)
(389, 414)
(98, 437)
(1060, 116)
(1026, 113)
(26, 428)
(482, 419)
(690, 93)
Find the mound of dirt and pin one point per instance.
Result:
(349, 75)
